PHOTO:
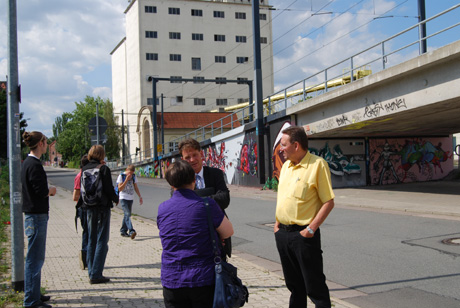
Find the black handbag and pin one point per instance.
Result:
(229, 291)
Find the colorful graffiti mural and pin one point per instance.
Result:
(248, 156)
(339, 163)
(409, 159)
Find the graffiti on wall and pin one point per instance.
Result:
(247, 162)
(278, 158)
(339, 163)
(409, 160)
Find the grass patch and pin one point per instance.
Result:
(8, 297)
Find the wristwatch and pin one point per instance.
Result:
(310, 230)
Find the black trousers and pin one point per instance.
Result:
(198, 297)
(302, 262)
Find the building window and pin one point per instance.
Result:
(198, 79)
(221, 102)
(219, 37)
(219, 14)
(240, 39)
(150, 101)
(197, 36)
(175, 79)
(150, 9)
(173, 146)
(151, 56)
(197, 12)
(221, 80)
(151, 34)
(199, 101)
(241, 80)
(263, 40)
(174, 35)
(220, 59)
(240, 15)
(196, 64)
(179, 99)
(175, 57)
(242, 59)
(174, 11)
(241, 100)
(263, 16)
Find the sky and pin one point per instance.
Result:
(64, 46)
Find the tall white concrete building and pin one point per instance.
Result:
(195, 39)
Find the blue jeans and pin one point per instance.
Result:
(98, 238)
(84, 228)
(126, 225)
(35, 226)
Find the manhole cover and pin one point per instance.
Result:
(452, 241)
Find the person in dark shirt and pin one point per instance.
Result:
(35, 205)
(210, 182)
(98, 217)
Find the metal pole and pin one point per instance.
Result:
(162, 125)
(259, 98)
(14, 154)
(97, 123)
(422, 28)
(154, 119)
(122, 137)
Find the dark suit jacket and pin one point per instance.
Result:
(214, 178)
(217, 189)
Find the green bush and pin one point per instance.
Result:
(73, 165)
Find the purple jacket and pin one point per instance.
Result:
(188, 257)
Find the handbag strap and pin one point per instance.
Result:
(211, 231)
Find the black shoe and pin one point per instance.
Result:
(125, 234)
(45, 298)
(82, 259)
(39, 305)
(99, 280)
(133, 235)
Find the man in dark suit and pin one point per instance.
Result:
(210, 182)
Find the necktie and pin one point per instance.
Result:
(199, 181)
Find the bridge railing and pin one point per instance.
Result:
(379, 56)
(389, 52)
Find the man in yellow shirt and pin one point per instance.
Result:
(305, 199)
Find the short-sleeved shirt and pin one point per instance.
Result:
(188, 258)
(302, 190)
(128, 192)
(77, 181)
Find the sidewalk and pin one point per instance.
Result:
(133, 267)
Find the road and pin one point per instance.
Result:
(395, 260)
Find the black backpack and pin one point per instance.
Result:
(91, 186)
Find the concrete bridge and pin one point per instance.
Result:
(420, 97)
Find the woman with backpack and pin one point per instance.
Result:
(97, 193)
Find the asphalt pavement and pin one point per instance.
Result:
(134, 265)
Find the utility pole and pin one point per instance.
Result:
(97, 123)
(422, 28)
(259, 99)
(122, 137)
(14, 153)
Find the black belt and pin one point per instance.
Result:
(292, 228)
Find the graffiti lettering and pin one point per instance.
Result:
(342, 120)
(373, 110)
(395, 105)
(329, 124)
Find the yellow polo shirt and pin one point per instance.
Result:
(302, 190)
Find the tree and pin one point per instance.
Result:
(72, 134)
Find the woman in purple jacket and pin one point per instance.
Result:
(187, 262)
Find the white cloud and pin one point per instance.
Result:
(58, 43)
